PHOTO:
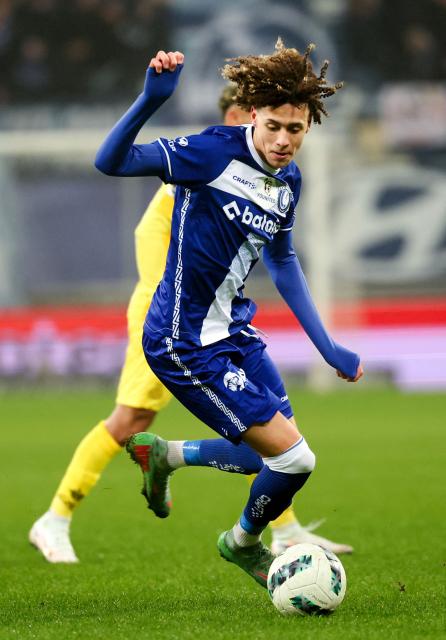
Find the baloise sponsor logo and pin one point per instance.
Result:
(254, 220)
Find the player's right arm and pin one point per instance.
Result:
(118, 155)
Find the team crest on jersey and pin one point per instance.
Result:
(284, 199)
(235, 380)
(183, 142)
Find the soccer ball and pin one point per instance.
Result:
(306, 579)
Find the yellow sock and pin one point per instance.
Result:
(92, 455)
(285, 518)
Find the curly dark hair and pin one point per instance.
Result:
(285, 76)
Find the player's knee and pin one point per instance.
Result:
(297, 459)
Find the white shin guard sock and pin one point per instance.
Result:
(297, 459)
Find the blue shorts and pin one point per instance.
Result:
(229, 385)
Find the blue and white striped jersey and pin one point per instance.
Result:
(228, 204)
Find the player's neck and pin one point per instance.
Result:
(255, 152)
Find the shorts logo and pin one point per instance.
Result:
(235, 380)
(183, 142)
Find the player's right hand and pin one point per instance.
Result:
(166, 61)
(159, 86)
(359, 374)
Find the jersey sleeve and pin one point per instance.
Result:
(288, 223)
(192, 160)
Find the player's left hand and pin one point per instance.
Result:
(359, 374)
(166, 61)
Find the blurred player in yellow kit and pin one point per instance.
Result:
(140, 394)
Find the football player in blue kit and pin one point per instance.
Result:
(237, 190)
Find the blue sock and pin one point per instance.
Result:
(271, 493)
(223, 455)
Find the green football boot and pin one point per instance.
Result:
(255, 560)
(150, 454)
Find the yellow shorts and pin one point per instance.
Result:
(138, 387)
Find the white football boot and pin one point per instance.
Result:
(50, 534)
(289, 534)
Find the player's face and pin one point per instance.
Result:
(279, 132)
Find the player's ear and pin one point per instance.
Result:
(253, 116)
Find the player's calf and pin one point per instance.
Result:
(125, 422)
(273, 489)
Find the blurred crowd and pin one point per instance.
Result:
(82, 50)
(394, 40)
(92, 50)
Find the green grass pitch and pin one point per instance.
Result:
(379, 481)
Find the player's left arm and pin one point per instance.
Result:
(285, 269)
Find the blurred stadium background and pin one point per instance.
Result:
(371, 227)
